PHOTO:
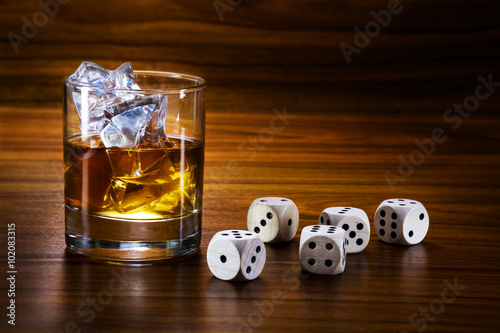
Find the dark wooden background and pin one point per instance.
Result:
(351, 123)
(432, 49)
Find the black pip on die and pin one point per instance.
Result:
(355, 223)
(237, 255)
(401, 221)
(322, 250)
(274, 219)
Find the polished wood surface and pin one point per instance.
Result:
(428, 44)
(349, 125)
(318, 160)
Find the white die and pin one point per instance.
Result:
(401, 221)
(355, 223)
(274, 219)
(237, 255)
(322, 250)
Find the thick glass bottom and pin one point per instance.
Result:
(131, 240)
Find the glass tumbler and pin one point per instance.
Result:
(133, 167)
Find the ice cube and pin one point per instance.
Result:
(132, 123)
(162, 117)
(97, 119)
(125, 164)
(112, 136)
(128, 121)
(86, 99)
(167, 204)
(138, 196)
(154, 133)
(107, 105)
(125, 78)
(91, 101)
(116, 109)
(91, 74)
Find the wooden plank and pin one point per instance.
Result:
(318, 160)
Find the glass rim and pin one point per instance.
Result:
(191, 88)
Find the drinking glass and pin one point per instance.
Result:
(133, 176)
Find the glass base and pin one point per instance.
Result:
(132, 251)
(131, 240)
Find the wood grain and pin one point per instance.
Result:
(429, 45)
(349, 124)
(318, 160)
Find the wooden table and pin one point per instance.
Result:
(328, 152)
